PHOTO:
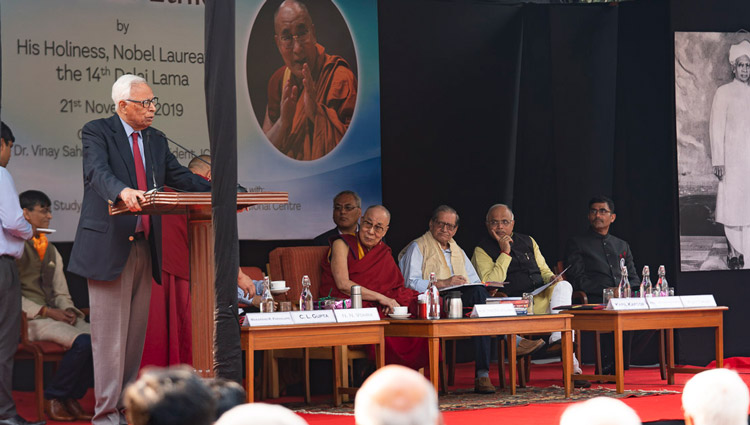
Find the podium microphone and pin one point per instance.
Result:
(240, 188)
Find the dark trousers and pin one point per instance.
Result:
(76, 372)
(471, 295)
(10, 331)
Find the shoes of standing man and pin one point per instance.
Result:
(528, 346)
(56, 410)
(75, 409)
(483, 385)
(734, 263)
(19, 420)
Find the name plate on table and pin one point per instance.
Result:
(698, 301)
(356, 315)
(620, 304)
(493, 310)
(657, 303)
(315, 316)
(268, 319)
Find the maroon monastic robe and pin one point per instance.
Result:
(377, 271)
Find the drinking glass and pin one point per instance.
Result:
(285, 306)
(607, 294)
(528, 296)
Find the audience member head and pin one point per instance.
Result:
(295, 36)
(134, 101)
(6, 144)
(201, 166)
(601, 214)
(374, 225)
(228, 394)
(444, 224)
(715, 397)
(347, 208)
(36, 208)
(600, 411)
(500, 220)
(260, 414)
(396, 395)
(172, 396)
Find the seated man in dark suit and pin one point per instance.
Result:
(347, 207)
(593, 259)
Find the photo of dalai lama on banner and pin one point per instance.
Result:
(309, 95)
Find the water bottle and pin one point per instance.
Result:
(433, 298)
(266, 300)
(356, 292)
(623, 288)
(306, 298)
(662, 284)
(646, 283)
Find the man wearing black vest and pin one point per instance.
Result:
(507, 256)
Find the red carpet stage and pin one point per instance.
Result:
(649, 408)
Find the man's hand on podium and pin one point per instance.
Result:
(132, 198)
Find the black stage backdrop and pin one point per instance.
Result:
(541, 106)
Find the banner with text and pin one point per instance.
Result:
(60, 59)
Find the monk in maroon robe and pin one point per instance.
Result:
(366, 261)
(311, 98)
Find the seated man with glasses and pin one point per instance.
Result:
(365, 260)
(437, 252)
(347, 207)
(593, 259)
(507, 256)
(311, 98)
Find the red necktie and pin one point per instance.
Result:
(140, 177)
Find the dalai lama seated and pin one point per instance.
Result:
(365, 260)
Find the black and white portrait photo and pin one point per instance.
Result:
(712, 103)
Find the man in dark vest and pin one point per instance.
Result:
(507, 256)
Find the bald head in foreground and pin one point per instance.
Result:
(396, 395)
(260, 414)
(600, 411)
(715, 397)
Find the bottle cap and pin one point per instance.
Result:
(356, 290)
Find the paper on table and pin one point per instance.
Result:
(494, 284)
(545, 286)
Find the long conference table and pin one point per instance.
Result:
(433, 330)
(635, 320)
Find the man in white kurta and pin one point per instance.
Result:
(730, 155)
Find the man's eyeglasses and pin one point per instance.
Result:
(344, 208)
(600, 211)
(495, 223)
(378, 228)
(146, 103)
(442, 224)
(287, 40)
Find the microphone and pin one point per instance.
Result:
(240, 188)
(153, 172)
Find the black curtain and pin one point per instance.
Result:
(222, 131)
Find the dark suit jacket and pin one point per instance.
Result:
(322, 239)
(594, 262)
(102, 243)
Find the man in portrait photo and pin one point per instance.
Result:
(311, 97)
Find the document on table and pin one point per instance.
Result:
(491, 284)
(553, 280)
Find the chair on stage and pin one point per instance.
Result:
(290, 264)
(40, 352)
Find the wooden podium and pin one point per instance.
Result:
(197, 206)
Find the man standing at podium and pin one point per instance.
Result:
(123, 157)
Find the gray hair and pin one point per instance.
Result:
(260, 414)
(356, 197)
(716, 396)
(512, 216)
(380, 400)
(121, 87)
(601, 411)
(442, 209)
(378, 207)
